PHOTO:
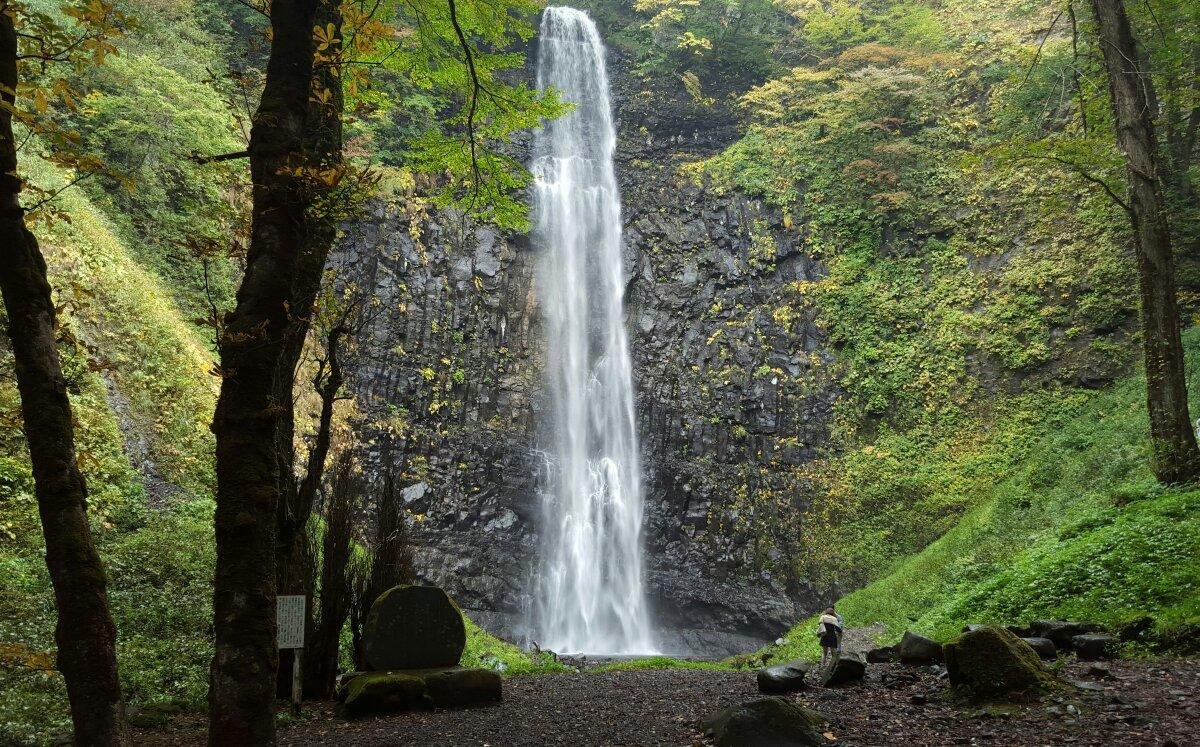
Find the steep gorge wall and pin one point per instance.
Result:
(731, 396)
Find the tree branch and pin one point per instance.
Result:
(197, 158)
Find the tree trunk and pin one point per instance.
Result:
(85, 633)
(1176, 458)
(255, 404)
(321, 663)
(323, 152)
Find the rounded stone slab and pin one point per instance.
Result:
(414, 627)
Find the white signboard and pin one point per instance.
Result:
(289, 618)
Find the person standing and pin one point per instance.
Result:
(829, 631)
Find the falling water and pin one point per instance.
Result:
(590, 595)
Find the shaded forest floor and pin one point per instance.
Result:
(1126, 702)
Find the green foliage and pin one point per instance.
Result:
(131, 330)
(1073, 525)
(450, 71)
(160, 592)
(148, 121)
(486, 651)
(722, 43)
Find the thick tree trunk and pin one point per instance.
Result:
(85, 633)
(255, 403)
(323, 153)
(1176, 458)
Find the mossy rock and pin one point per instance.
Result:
(441, 687)
(456, 687)
(767, 722)
(992, 662)
(414, 627)
(383, 692)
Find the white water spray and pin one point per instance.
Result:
(590, 597)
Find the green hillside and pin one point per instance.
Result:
(1075, 528)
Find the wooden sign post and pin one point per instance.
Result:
(289, 626)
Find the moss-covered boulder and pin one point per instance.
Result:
(768, 722)
(414, 627)
(992, 662)
(440, 687)
(383, 692)
(455, 687)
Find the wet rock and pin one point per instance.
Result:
(414, 627)
(847, 669)
(993, 662)
(1044, 647)
(783, 678)
(917, 649)
(769, 722)
(1061, 631)
(1094, 646)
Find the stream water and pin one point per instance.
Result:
(590, 596)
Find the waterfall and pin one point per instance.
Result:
(590, 596)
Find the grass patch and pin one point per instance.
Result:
(657, 662)
(486, 651)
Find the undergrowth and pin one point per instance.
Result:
(1076, 528)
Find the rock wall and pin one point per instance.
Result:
(729, 370)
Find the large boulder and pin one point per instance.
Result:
(1061, 631)
(846, 669)
(1044, 647)
(383, 692)
(883, 654)
(783, 678)
(414, 627)
(917, 649)
(769, 722)
(992, 662)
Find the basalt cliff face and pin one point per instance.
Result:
(731, 395)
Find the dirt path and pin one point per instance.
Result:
(861, 640)
(1149, 704)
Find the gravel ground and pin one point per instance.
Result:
(1135, 703)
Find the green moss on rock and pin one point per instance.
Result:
(384, 692)
(992, 662)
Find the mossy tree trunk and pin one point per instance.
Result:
(1176, 458)
(259, 354)
(85, 633)
(323, 153)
